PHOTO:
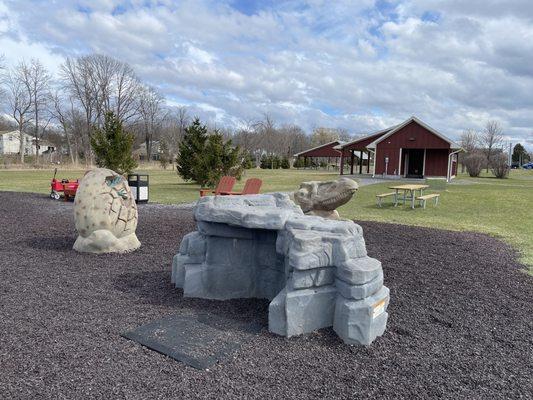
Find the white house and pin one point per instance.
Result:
(141, 151)
(10, 144)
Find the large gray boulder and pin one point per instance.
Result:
(315, 271)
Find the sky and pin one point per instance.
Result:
(360, 65)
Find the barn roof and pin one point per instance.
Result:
(396, 128)
(371, 140)
(363, 139)
(325, 147)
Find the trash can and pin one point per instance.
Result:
(139, 187)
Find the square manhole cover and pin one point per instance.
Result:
(196, 340)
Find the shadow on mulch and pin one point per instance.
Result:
(155, 288)
(60, 243)
(150, 287)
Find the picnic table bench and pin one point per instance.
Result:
(408, 188)
(380, 197)
(426, 197)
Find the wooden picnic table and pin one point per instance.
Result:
(411, 188)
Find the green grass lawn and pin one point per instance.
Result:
(165, 185)
(501, 208)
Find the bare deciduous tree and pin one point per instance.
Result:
(500, 166)
(491, 139)
(151, 115)
(474, 163)
(19, 102)
(2, 67)
(173, 128)
(37, 79)
(265, 138)
(469, 141)
(344, 135)
(99, 84)
(324, 135)
(78, 78)
(60, 112)
(118, 87)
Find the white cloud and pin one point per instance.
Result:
(357, 65)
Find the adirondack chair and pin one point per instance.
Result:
(225, 185)
(251, 186)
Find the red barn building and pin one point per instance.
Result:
(411, 149)
(324, 150)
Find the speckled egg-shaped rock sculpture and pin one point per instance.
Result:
(105, 213)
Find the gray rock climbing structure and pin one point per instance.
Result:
(315, 271)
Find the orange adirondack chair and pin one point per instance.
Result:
(251, 186)
(225, 185)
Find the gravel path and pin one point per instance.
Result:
(460, 319)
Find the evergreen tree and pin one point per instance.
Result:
(164, 153)
(264, 162)
(285, 164)
(247, 162)
(191, 149)
(113, 146)
(275, 162)
(205, 158)
(221, 158)
(520, 155)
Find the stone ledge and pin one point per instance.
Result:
(358, 292)
(252, 211)
(358, 271)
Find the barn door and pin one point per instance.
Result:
(415, 163)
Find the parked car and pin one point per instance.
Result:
(529, 165)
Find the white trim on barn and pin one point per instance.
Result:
(375, 161)
(424, 164)
(449, 175)
(395, 129)
(340, 146)
(400, 163)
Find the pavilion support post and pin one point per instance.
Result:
(342, 163)
(360, 162)
(368, 163)
(351, 161)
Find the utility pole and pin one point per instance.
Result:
(510, 160)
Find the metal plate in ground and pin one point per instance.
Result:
(196, 340)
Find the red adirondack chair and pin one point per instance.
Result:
(251, 186)
(225, 185)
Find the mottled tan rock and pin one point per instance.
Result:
(323, 198)
(105, 214)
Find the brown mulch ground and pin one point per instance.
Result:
(461, 319)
